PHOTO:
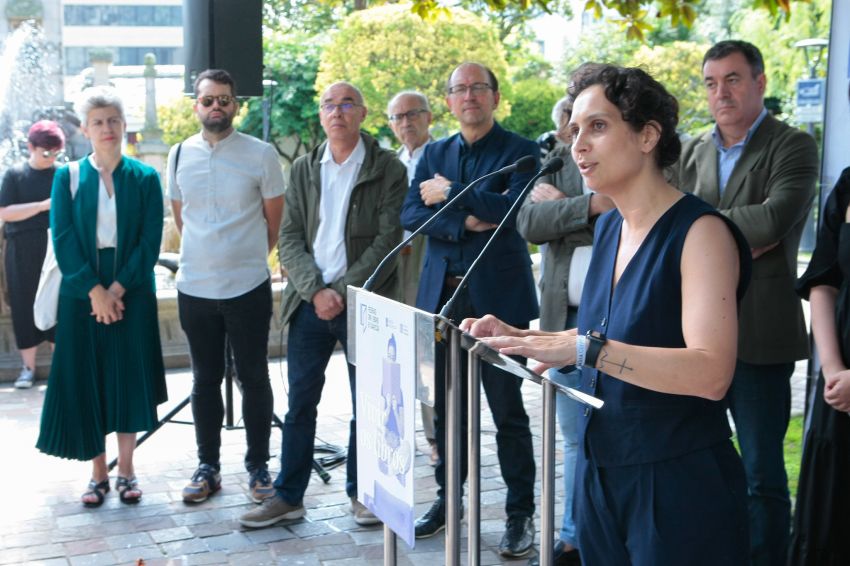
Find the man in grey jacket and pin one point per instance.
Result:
(341, 218)
(559, 215)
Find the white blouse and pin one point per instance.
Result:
(107, 219)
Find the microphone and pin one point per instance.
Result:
(522, 165)
(552, 166)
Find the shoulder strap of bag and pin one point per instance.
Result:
(172, 172)
(74, 170)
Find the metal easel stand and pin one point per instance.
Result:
(230, 378)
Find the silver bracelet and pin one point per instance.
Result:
(581, 350)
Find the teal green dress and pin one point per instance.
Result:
(104, 378)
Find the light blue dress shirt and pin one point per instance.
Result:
(727, 157)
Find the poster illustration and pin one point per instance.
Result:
(386, 390)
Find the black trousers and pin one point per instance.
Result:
(513, 436)
(245, 321)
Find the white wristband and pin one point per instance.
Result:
(581, 350)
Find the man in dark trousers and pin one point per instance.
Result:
(761, 173)
(502, 284)
(341, 219)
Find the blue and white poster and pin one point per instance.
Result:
(386, 390)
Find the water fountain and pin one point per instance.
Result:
(27, 90)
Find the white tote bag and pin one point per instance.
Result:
(46, 303)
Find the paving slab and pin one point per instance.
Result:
(43, 522)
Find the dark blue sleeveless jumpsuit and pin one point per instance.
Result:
(658, 481)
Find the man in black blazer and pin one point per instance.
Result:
(502, 283)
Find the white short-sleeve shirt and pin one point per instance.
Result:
(221, 188)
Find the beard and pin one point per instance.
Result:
(218, 125)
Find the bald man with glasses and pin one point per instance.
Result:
(341, 219)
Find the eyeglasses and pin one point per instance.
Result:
(410, 115)
(48, 154)
(475, 89)
(223, 100)
(345, 107)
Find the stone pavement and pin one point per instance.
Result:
(42, 521)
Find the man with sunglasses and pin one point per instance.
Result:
(341, 219)
(502, 283)
(226, 191)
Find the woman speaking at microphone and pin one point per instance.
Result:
(658, 481)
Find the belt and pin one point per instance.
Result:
(453, 281)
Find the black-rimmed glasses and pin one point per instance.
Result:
(345, 107)
(475, 89)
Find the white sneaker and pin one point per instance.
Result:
(26, 379)
(362, 515)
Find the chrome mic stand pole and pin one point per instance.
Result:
(453, 445)
(547, 511)
(474, 433)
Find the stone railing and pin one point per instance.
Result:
(175, 350)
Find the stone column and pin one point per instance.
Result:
(100, 60)
(151, 148)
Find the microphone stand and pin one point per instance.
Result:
(520, 165)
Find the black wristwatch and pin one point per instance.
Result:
(595, 341)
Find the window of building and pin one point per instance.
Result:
(100, 15)
(77, 58)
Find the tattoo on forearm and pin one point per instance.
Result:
(622, 366)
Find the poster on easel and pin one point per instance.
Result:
(386, 389)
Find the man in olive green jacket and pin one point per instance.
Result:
(761, 174)
(341, 218)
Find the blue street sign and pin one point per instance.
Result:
(811, 94)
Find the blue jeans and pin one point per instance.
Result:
(568, 413)
(309, 347)
(244, 321)
(760, 402)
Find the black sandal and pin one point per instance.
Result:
(99, 490)
(123, 485)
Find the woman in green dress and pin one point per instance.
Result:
(107, 372)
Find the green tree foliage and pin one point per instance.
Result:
(775, 37)
(387, 49)
(177, 121)
(601, 43)
(635, 18)
(292, 61)
(678, 67)
(531, 107)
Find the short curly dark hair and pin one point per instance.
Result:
(641, 100)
